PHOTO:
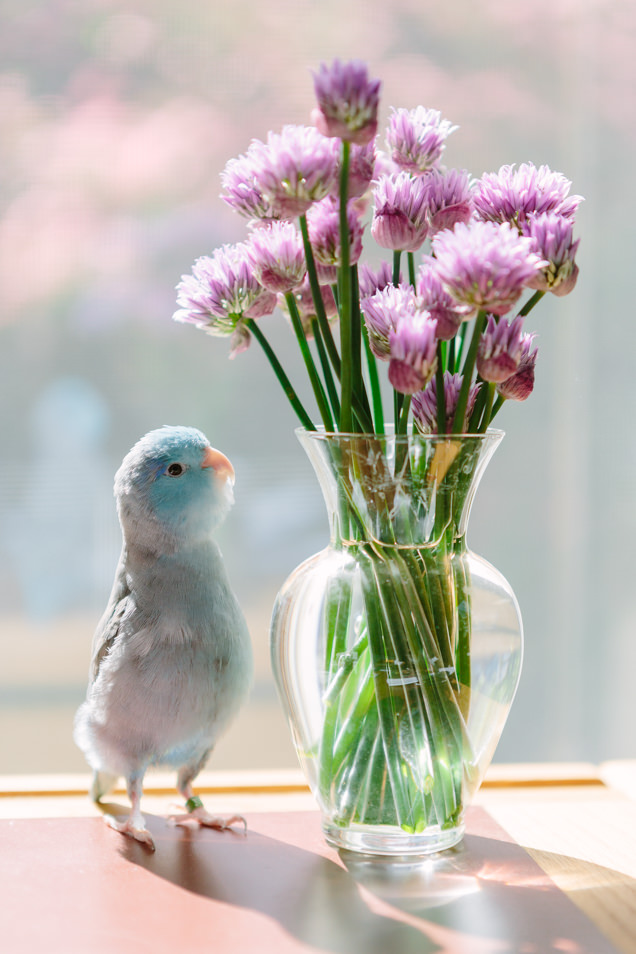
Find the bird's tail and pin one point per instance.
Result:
(103, 782)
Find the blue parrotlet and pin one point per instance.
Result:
(171, 659)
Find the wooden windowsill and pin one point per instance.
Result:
(575, 826)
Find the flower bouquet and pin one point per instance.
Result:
(396, 650)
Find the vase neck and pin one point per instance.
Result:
(414, 491)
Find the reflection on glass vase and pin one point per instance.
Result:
(396, 651)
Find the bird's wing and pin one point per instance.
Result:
(109, 625)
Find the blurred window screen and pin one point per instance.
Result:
(115, 125)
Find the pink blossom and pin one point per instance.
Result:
(291, 171)
(412, 353)
(485, 265)
(511, 195)
(424, 404)
(416, 138)
(372, 280)
(553, 241)
(242, 192)
(221, 292)
(440, 305)
(277, 256)
(347, 101)
(362, 161)
(519, 386)
(383, 310)
(449, 198)
(400, 212)
(499, 350)
(323, 222)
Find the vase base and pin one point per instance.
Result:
(384, 840)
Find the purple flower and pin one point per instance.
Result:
(416, 138)
(412, 353)
(292, 170)
(222, 291)
(384, 165)
(277, 256)
(436, 300)
(511, 195)
(347, 101)
(519, 386)
(499, 350)
(323, 222)
(485, 265)
(306, 305)
(424, 404)
(243, 194)
(362, 161)
(383, 311)
(400, 212)
(449, 198)
(371, 280)
(553, 241)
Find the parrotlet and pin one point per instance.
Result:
(171, 658)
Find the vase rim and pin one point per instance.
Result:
(320, 433)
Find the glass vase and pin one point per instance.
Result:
(396, 651)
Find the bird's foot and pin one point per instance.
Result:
(133, 828)
(195, 812)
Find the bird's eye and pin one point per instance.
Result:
(175, 470)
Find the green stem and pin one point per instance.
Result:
(359, 390)
(467, 374)
(316, 293)
(480, 401)
(411, 260)
(319, 392)
(402, 427)
(531, 302)
(462, 654)
(398, 400)
(284, 381)
(374, 381)
(344, 286)
(396, 267)
(487, 414)
(326, 367)
(440, 392)
(452, 344)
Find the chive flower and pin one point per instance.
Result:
(283, 177)
(416, 138)
(347, 101)
(424, 404)
(436, 300)
(449, 198)
(277, 256)
(499, 350)
(519, 386)
(485, 265)
(221, 292)
(412, 353)
(323, 222)
(400, 212)
(552, 239)
(512, 195)
(382, 311)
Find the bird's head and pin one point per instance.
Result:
(172, 489)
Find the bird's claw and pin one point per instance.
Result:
(132, 830)
(200, 816)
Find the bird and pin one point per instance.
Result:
(171, 661)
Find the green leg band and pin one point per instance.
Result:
(194, 802)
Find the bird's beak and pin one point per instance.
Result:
(222, 467)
